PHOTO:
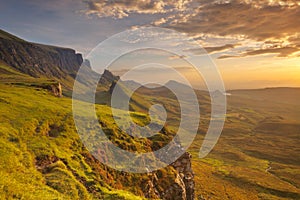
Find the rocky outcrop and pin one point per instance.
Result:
(182, 186)
(109, 80)
(186, 174)
(53, 87)
(38, 60)
(56, 89)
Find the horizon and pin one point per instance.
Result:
(202, 87)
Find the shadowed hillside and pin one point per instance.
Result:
(38, 60)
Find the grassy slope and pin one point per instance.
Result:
(256, 157)
(36, 128)
(9, 75)
(41, 151)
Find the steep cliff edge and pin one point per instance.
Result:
(38, 60)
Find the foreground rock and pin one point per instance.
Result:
(183, 185)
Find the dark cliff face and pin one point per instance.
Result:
(38, 60)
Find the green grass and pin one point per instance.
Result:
(257, 156)
(49, 163)
(42, 152)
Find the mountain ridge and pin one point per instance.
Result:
(37, 60)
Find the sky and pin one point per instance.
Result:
(254, 44)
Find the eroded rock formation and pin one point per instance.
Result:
(186, 174)
(56, 89)
(182, 187)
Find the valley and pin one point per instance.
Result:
(256, 157)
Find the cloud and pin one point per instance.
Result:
(295, 40)
(173, 57)
(263, 3)
(256, 20)
(123, 8)
(235, 17)
(280, 51)
(204, 50)
(228, 56)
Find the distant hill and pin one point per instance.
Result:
(283, 95)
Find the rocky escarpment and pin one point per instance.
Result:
(38, 60)
(108, 79)
(182, 187)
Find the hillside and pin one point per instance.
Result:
(40, 148)
(41, 151)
